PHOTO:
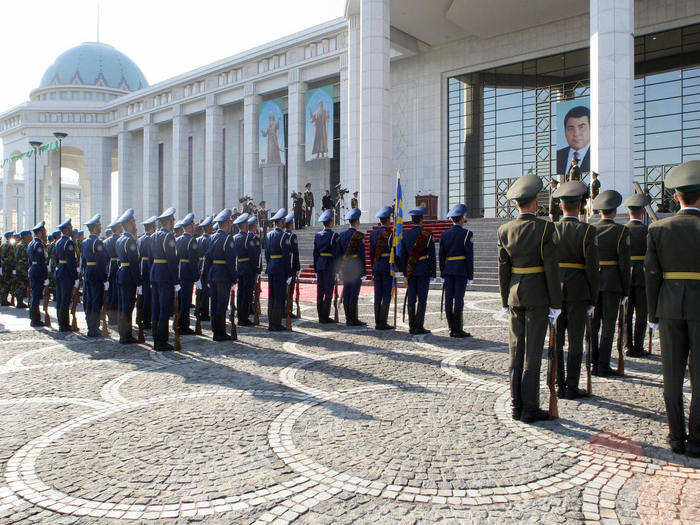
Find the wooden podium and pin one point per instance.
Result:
(431, 205)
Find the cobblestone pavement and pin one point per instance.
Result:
(326, 424)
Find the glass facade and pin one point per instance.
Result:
(503, 122)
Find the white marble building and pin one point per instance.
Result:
(192, 141)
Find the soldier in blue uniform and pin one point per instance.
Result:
(202, 247)
(94, 263)
(326, 253)
(112, 304)
(220, 269)
(417, 262)
(38, 272)
(255, 251)
(164, 280)
(277, 256)
(187, 252)
(128, 275)
(144, 247)
(456, 268)
(295, 263)
(244, 269)
(380, 242)
(66, 275)
(352, 266)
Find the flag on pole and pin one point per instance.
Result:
(398, 229)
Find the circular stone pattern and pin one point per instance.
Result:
(179, 451)
(427, 439)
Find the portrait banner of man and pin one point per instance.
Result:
(319, 123)
(271, 134)
(573, 135)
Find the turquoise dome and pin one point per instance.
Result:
(94, 64)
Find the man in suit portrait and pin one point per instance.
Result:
(577, 129)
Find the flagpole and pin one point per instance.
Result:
(393, 248)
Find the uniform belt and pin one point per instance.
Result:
(326, 254)
(160, 261)
(352, 256)
(92, 263)
(636, 257)
(457, 258)
(114, 258)
(522, 270)
(422, 257)
(33, 262)
(184, 260)
(144, 258)
(202, 258)
(124, 264)
(219, 261)
(576, 266)
(62, 261)
(693, 276)
(243, 259)
(608, 263)
(275, 256)
(387, 254)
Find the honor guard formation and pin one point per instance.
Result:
(580, 281)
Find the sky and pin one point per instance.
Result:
(164, 38)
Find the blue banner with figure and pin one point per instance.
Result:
(271, 145)
(319, 123)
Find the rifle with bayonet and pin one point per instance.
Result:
(139, 317)
(297, 298)
(620, 340)
(47, 317)
(232, 315)
(176, 322)
(589, 346)
(552, 371)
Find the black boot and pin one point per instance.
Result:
(411, 320)
(420, 320)
(355, 315)
(243, 313)
(348, 314)
(125, 335)
(384, 316)
(63, 324)
(457, 324)
(450, 323)
(218, 324)
(377, 316)
(154, 334)
(184, 323)
(275, 324)
(327, 310)
(93, 321)
(320, 311)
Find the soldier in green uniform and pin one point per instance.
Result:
(637, 302)
(673, 298)
(554, 210)
(7, 260)
(528, 277)
(614, 252)
(578, 271)
(51, 259)
(21, 270)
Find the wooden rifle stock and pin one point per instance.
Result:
(620, 341)
(288, 309)
(232, 316)
(589, 386)
(47, 317)
(139, 318)
(551, 377)
(74, 307)
(297, 299)
(198, 312)
(649, 349)
(103, 315)
(442, 300)
(176, 323)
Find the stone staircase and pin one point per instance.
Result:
(485, 251)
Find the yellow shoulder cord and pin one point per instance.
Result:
(585, 235)
(622, 232)
(544, 232)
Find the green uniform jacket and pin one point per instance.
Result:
(22, 261)
(8, 259)
(528, 242)
(577, 245)
(614, 245)
(638, 248)
(672, 246)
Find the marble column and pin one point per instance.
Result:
(252, 174)
(612, 85)
(30, 216)
(177, 181)
(350, 121)
(150, 168)
(343, 118)
(376, 183)
(296, 126)
(56, 215)
(213, 158)
(6, 191)
(127, 192)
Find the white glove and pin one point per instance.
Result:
(289, 280)
(106, 285)
(398, 274)
(177, 288)
(14, 272)
(433, 280)
(624, 300)
(505, 310)
(198, 285)
(139, 290)
(469, 281)
(653, 326)
(554, 313)
(77, 283)
(363, 278)
(590, 311)
(46, 282)
(298, 274)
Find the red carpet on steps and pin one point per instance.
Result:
(436, 227)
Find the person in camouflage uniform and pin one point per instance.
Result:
(7, 261)
(21, 270)
(51, 259)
